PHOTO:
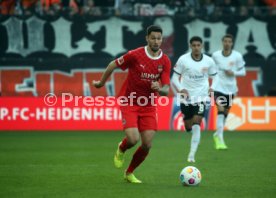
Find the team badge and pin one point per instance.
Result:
(204, 69)
(231, 64)
(160, 68)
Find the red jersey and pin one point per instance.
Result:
(142, 70)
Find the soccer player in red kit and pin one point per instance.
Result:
(148, 75)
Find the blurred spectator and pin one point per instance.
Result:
(143, 9)
(228, 7)
(7, 7)
(29, 6)
(272, 6)
(176, 3)
(160, 10)
(249, 7)
(90, 8)
(271, 3)
(208, 7)
(123, 7)
(193, 4)
(51, 7)
(76, 6)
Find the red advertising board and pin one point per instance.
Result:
(36, 113)
(87, 113)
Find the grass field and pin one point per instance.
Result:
(72, 164)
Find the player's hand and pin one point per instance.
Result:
(155, 86)
(210, 91)
(229, 73)
(184, 93)
(97, 84)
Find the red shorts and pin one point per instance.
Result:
(143, 118)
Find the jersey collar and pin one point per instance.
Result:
(225, 55)
(201, 57)
(150, 56)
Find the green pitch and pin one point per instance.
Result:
(71, 164)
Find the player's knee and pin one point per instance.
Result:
(146, 146)
(197, 120)
(188, 125)
(226, 111)
(188, 129)
(133, 140)
(225, 115)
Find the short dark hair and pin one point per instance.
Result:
(228, 36)
(195, 38)
(154, 28)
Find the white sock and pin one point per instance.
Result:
(195, 139)
(220, 126)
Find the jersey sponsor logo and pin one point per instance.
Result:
(160, 68)
(121, 60)
(149, 76)
(196, 77)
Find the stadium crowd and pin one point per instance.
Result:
(139, 8)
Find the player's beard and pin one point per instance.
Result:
(154, 48)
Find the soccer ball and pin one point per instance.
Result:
(190, 176)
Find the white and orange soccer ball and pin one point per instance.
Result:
(190, 176)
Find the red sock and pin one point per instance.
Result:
(124, 145)
(138, 157)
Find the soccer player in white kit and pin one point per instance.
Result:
(190, 79)
(229, 64)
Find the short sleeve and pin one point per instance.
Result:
(124, 62)
(165, 76)
(214, 58)
(212, 70)
(240, 62)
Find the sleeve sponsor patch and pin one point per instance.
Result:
(121, 60)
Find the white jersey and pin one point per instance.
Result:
(195, 76)
(234, 62)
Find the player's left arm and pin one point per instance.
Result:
(240, 66)
(165, 79)
(212, 72)
(239, 69)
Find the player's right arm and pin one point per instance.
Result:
(108, 71)
(123, 62)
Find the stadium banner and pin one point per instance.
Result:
(37, 53)
(18, 82)
(251, 114)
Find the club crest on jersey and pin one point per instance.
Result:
(160, 68)
(231, 64)
(121, 60)
(204, 69)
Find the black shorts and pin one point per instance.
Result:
(223, 99)
(189, 110)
